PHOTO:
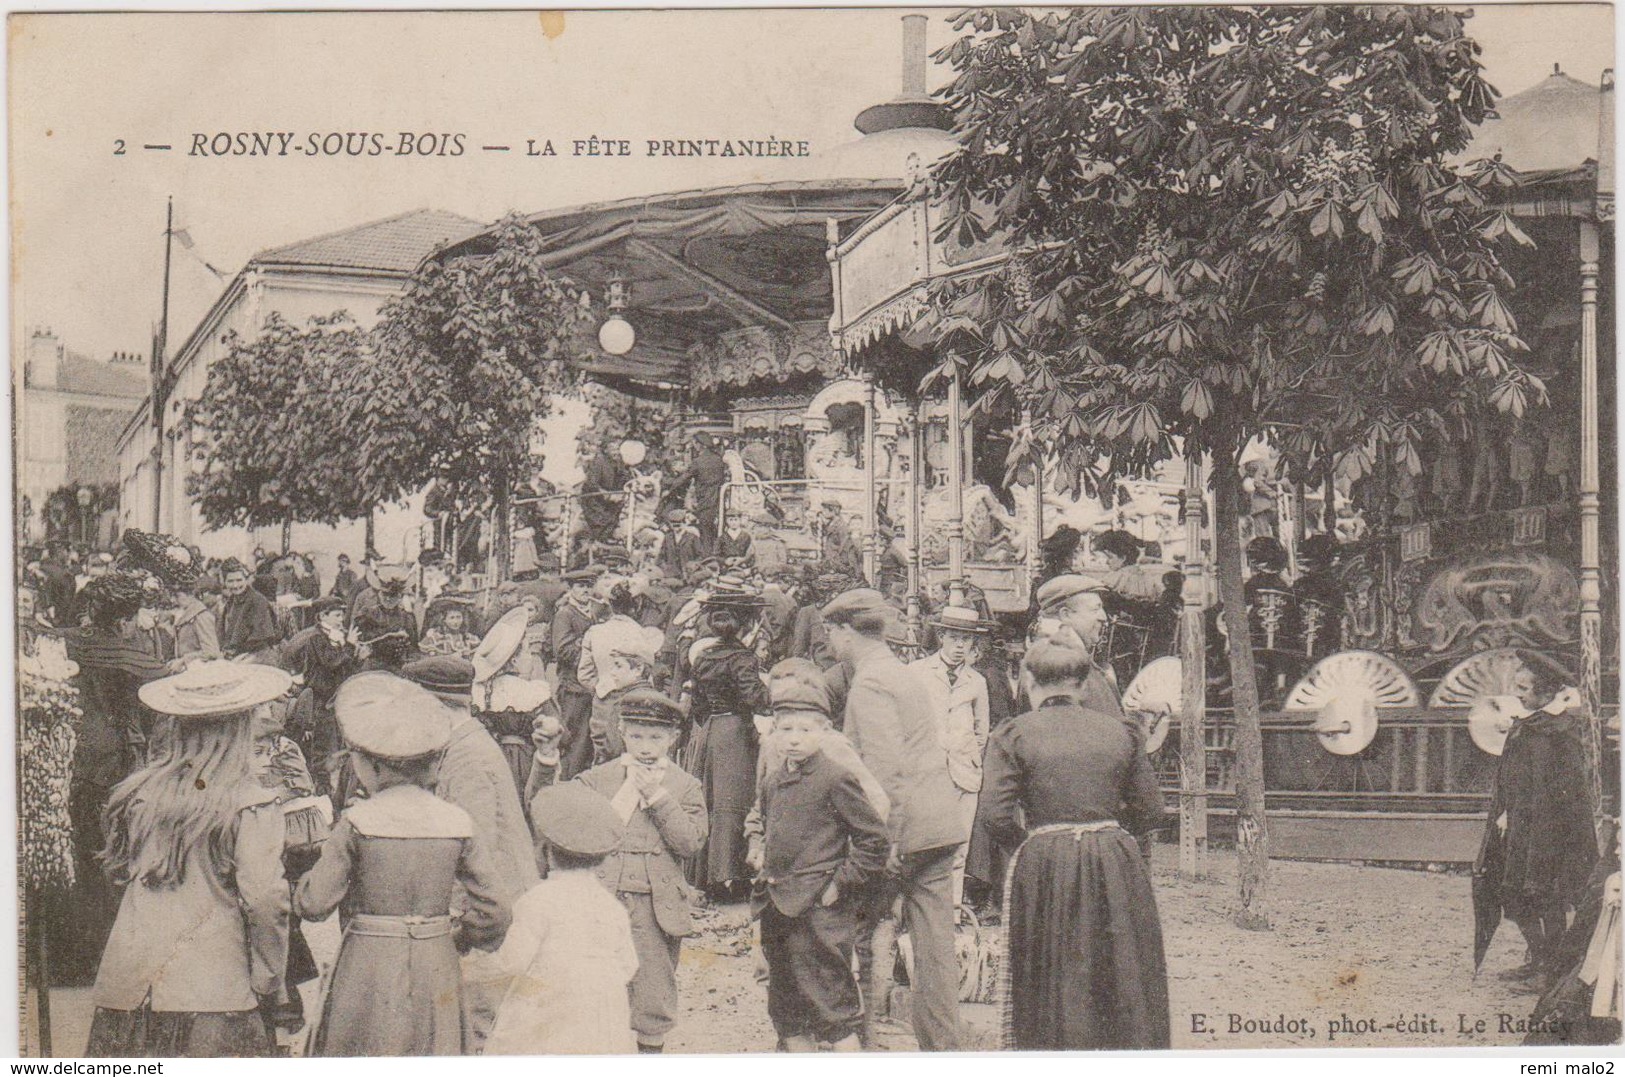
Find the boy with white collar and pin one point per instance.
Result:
(663, 809)
(959, 702)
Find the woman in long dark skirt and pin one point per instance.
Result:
(1065, 787)
(728, 694)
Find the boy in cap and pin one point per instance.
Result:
(821, 845)
(661, 816)
(569, 955)
(960, 704)
(680, 544)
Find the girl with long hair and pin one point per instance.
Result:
(199, 947)
(115, 658)
(728, 695)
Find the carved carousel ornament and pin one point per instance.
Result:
(1153, 696)
(1486, 684)
(1347, 690)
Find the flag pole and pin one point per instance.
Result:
(160, 372)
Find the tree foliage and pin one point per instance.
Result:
(1226, 223)
(1229, 222)
(474, 349)
(271, 425)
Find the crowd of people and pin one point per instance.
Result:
(778, 735)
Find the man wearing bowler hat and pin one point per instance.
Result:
(576, 614)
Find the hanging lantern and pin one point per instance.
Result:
(616, 336)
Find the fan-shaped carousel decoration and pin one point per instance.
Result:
(1485, 683)
(1347, 689)
(1153, 696)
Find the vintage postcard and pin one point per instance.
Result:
(1081, 528)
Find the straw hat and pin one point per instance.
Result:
(216, 688)
(961, 619)
(501, 643)
(389, 717)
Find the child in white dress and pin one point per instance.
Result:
(568, 956)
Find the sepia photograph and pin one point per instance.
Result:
(706, 532)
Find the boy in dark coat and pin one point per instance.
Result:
(822, 845)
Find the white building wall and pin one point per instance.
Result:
(297, 297)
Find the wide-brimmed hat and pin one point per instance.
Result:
(450, 678)
(216, 688)
(650, 707)
(574, 819)
(732, 592)
(165, 556)
(1064, 587)
(390, 717)
(501, 643)
(962, 619)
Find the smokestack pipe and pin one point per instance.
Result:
(913, 55)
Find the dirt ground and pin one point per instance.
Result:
(1357, 956)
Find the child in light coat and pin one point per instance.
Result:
(568, 957)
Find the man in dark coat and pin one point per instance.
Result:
(247, 621)
(575, 615)
(602, 490)
(707, 473)
(389, 630)
(1539, 845)
(344, 581)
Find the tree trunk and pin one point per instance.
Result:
(372, 532)
(287, 534)
(1252, 836)
(1328, 515)
(502, 528)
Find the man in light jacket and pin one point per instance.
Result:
(960, 704)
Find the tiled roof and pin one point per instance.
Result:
(396, 244)
(1554, 124)
(79, 374)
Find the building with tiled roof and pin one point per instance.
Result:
(72, 409)
(355, 270)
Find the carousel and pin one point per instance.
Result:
(784, 319)
(1391, 614)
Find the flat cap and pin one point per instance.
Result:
(389, 717)
(586, 574)
(574, 819)
(650, 707)
(1062, 588)
(796, 684)
(856, 602)
(447, 676)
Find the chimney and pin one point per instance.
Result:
(44, 359)
(914, 107)
(914, 56)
